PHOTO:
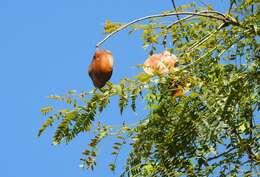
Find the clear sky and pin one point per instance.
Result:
(45, 48)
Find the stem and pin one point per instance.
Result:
(224, 50)
(222, 18)
(178, 17)
(179, 21)
(208, 53)
(203, 3)
(174, 6)
(220, 54)
(220, 155)
(190, 16)
(203, 40)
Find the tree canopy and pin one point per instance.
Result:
(210, 128)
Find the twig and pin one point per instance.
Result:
(196, 44)
(229, 46)
(178, 17)
(179, 21)
(231, 5)
(120, 148)
(206, 54)
(174, 6)
(190, 16)
(203, 3)
(222, 18)
(182, 19)
(220, 54)
(176, 22)
(220, 155)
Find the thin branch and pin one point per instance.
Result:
(175, 23)
(190, 16)
(252, 9)
(197, 60)
(203, 40)
(203, 3)
(220, 54)
(183, 19)
(179, 21)
(119, 150)
(174, 6)
(178, 17)
(222, 18)
(231, 5)
(231, 45)
(220, 155)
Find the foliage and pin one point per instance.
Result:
(211, 129)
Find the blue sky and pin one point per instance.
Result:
(45, 48)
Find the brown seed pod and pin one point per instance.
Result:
(178, 92)
(101, 68)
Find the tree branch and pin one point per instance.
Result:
(178, 17)
(179, 21)
(207, 14)
(203, 40)
(203, 3)
(220, 155)
(174, 6)
(190, 16)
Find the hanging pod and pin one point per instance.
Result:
(101, 67)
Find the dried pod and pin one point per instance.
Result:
(101, 68)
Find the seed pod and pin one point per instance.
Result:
(101, 68)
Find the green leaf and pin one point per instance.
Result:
(112, 167)
(46, 110)
(143, 77)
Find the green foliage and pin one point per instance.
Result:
(211, 129)
(111, 27)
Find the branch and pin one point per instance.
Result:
(178, 17)
(203, 14)
(203, 40)
(176, 22)
(220, 155)
(179, 21)
(220, 53)
(183, 19)
(174, 6)
(203, 3)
